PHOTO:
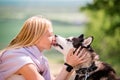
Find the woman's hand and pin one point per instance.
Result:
(78, 57)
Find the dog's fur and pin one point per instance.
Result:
(94, 69)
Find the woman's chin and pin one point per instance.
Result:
(48, 48)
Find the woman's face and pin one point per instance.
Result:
(46, 39)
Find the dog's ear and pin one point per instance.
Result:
(87, 41)
(81, 36)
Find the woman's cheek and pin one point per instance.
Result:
(49, 39)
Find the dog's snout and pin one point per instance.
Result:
(54, 40)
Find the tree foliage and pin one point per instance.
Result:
(104, 25)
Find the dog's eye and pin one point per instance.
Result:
(68, 40)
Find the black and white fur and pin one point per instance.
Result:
(91, 70)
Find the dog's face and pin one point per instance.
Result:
(63, 45)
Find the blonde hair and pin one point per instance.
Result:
(31, 31)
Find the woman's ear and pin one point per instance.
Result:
(87, 41)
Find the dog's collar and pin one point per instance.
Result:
(88, 69)
(85, 72)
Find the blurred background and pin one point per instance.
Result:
(99, 18)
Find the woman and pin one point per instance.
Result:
(24, 55)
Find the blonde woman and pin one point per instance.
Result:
(24, 59)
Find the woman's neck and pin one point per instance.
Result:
(40, 48)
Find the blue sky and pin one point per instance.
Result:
(82, 1)
(48, 0)
(45, 2)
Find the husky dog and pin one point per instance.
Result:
(91, 70)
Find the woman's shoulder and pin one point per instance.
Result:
(16, 58)
(14, 52)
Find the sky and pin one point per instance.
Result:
(48, 3)
(47, 0)
(81, 1)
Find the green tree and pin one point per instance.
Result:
(104, 25)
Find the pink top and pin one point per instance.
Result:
(13, 60)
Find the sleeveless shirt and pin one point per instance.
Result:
(12, 60)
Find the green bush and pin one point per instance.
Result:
(104, 25)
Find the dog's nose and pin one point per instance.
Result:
(55, 35)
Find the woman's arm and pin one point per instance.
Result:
(64, 75)
(29, 71)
